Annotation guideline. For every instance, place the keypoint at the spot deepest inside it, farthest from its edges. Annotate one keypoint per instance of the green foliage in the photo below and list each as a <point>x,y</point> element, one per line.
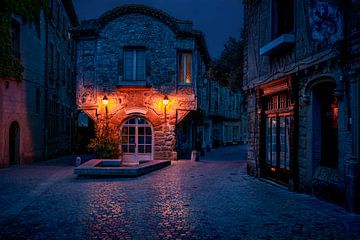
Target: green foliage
<point>106,141</point>
<point>228,69</point>
<point>29,10</point>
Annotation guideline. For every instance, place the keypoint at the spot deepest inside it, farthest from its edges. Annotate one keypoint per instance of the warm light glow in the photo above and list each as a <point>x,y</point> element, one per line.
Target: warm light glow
<point>273,169</point>
<point>165,101</point>
<point>105,100</point>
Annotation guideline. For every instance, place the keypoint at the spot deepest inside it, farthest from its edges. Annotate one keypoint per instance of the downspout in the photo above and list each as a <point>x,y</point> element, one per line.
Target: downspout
<point>46,88</point>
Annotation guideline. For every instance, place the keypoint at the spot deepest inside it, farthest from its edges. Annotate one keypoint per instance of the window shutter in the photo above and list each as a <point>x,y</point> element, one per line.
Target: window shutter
<point>121,68</point>
<point>147,64</point>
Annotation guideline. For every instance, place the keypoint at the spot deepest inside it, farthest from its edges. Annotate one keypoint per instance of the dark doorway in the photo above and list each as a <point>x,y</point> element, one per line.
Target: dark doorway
<point>14,143</point>
<point>326,125</point>
<point>85,132</point>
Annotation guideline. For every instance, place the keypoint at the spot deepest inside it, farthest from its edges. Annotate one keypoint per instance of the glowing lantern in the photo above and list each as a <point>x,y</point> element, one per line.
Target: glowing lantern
<point>105,100</point>
<point>166,101</point>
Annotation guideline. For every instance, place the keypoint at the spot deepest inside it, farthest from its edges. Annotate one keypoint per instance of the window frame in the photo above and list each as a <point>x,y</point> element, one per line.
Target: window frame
<point>135,64</point>
<point>275,18</point>
<point>180,58</point>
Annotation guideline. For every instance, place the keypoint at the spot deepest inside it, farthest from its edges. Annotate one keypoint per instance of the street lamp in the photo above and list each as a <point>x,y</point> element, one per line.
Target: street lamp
<point>165,102</point>
<point>105,101</point>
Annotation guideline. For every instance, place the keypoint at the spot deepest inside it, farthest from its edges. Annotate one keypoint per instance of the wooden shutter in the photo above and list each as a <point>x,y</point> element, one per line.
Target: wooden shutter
<point>121,68</point>
<point>147,64</point>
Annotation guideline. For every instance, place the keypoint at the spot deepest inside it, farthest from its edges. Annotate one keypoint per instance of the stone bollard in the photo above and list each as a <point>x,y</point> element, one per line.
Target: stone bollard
<point>195,156</point>
<point>78,161</point>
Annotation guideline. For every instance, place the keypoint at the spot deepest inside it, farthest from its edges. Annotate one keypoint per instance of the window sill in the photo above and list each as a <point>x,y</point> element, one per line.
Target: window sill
<point>277,44</point>
<point>132,83</point>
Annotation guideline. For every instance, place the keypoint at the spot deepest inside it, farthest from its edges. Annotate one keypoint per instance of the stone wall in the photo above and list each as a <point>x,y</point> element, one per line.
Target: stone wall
<point>100,59</point>
<point>18,99</point>
<point>316,57</point>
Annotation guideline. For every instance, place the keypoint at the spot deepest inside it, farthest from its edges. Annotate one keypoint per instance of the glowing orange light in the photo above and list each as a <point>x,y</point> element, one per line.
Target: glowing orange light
<point>166,101</point>
<point>273,169</point>
<point>105,100</point>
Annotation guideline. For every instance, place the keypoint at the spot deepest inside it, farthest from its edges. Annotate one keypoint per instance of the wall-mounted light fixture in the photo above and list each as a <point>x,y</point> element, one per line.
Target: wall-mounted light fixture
<point>105,100</point>
<point>166,101</point>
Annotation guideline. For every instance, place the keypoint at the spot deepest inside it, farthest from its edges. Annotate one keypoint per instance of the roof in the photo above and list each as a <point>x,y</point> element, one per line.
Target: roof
<point>182,28</point>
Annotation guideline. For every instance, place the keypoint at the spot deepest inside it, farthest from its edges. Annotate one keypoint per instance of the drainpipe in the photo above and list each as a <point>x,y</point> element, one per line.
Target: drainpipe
<point>46,87</point>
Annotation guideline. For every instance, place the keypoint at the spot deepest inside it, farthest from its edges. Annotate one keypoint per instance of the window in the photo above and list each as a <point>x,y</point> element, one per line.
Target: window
<point>15,38</point>
<point>216,105</point>
<point>58,15</point>
<point>52,6</point>
<point>278,102</point>
<point>278,142</point>
<point>58,65</point>
<point>64,26</point>
<point>51,59</point>
<point>134,64</point>
<point>282,17</point>
<point>53,120</point>
<point>37,103</point>
<point>185,68</point>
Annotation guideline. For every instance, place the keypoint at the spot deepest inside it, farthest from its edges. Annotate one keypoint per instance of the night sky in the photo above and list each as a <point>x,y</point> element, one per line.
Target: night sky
<point>218,19</point>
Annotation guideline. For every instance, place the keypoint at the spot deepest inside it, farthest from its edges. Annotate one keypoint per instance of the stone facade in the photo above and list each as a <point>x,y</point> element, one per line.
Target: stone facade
<point>224,116</point>
<point>301,77</point>
<point>24,107</point>
<point>60,84</point>
<point>102,45</point>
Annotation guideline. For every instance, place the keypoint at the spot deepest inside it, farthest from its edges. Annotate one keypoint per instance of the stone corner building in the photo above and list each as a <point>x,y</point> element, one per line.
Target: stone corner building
<point>36,114</point>
<point>136,56</point>
<point>302,78</point>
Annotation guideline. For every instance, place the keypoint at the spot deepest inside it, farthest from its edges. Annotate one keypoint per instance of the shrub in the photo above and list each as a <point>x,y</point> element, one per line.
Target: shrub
<point>106,141</point>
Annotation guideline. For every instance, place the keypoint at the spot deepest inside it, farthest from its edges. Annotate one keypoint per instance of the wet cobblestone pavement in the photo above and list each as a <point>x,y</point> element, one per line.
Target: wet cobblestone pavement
<point>188,200</point>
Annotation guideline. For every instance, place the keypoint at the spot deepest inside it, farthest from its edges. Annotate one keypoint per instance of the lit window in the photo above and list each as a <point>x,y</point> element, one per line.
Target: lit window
<point>134,64</point>
<point>184,68</point>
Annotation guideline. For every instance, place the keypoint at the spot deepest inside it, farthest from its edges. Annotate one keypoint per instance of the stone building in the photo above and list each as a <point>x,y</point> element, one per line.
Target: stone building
<point>223,121</point>
<point>26,119</point>
<point>301,74</point>
<point>137,57</point>
<point>60,85</point>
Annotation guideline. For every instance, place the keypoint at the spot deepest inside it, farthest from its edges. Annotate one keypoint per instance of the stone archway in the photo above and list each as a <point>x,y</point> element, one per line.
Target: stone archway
<point>325,125</point>
<point>14,143</point>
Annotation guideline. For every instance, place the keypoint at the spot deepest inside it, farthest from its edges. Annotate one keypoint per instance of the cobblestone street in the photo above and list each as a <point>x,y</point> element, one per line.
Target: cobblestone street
<point>210,199</point>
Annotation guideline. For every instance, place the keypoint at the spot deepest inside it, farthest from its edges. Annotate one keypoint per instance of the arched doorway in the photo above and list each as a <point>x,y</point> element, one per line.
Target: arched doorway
<point>325,125</point>
<point>136,140</point>
<point>14,143</point>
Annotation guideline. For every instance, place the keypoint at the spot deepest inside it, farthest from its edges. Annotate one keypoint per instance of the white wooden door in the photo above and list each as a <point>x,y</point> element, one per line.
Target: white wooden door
<point>136,140</point>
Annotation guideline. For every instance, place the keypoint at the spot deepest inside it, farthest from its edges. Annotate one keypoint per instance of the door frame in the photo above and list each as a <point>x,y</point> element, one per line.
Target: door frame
<point>136,135</point>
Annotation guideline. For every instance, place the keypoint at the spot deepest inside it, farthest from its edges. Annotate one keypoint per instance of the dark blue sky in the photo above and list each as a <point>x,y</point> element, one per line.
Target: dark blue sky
<point>218,19</point>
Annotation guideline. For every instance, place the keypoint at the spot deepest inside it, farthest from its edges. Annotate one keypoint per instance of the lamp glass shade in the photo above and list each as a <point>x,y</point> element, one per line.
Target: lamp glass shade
<point>165,101</point>
<point>105,100</point>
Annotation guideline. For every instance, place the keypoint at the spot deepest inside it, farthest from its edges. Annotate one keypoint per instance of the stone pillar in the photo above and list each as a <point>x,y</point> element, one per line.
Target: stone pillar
<point>352,170</point>
<point>352,184</point>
